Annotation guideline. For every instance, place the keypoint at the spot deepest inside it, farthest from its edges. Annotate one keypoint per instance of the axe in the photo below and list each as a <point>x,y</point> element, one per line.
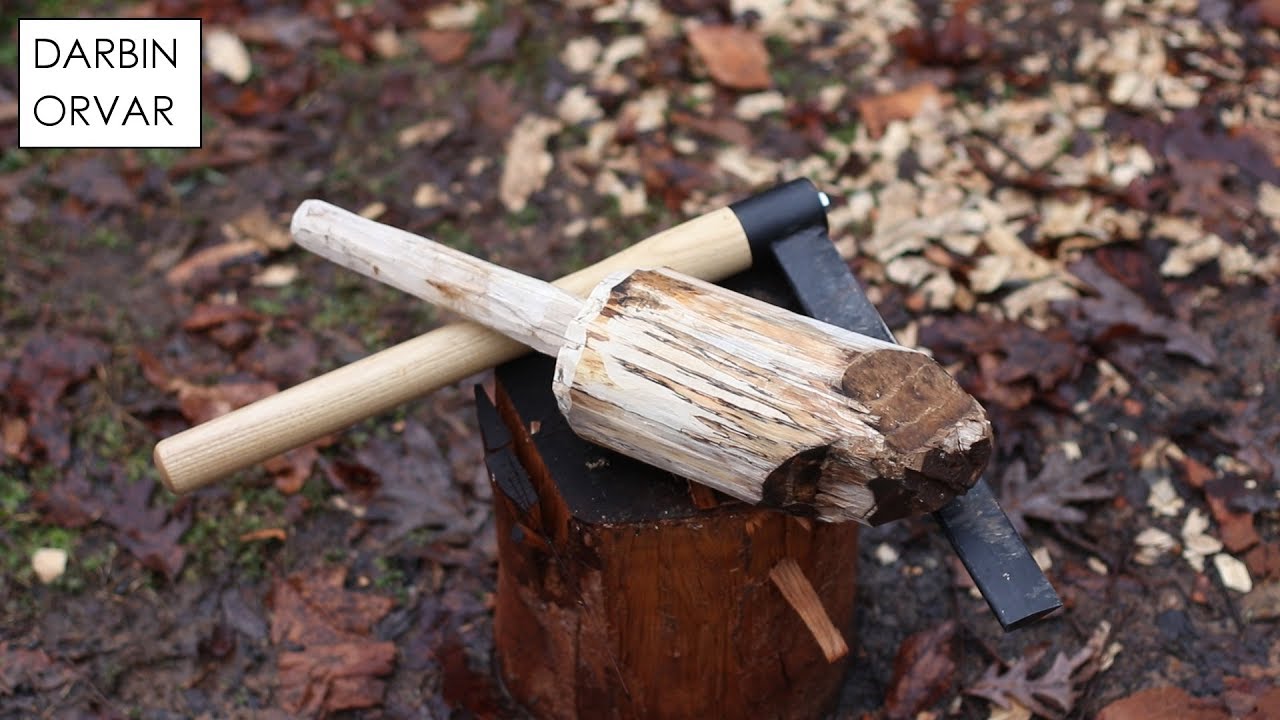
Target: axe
<point>712,246</point>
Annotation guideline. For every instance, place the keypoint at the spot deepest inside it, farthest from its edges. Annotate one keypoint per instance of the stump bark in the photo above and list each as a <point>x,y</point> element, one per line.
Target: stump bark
<point>627,592</point>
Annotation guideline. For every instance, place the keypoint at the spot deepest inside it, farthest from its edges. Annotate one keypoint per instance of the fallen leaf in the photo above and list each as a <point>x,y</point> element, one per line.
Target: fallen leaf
<point>1261,603</point>
<point>291,469</point>
<point>735,57</point>
<point>1051,495</point>
<point>1117,309</point>
<point>878,111</point>
<point>71,501</point>
<point>500,45</point>
<point>415,484</point>
<point>33,669</point>
<point>527,161</point>
<point>958,42</point>
<point>150,533</point>
<point>13,437</point>
<point>1160,703</point>
<point>206,316</point>
<point>48,366</point>
<point>293,31</point>
<point>201,403</point>
<point>1052,694</point>
<point>94,181</point>
<point>227,56</point>
<point>444,46</point>
<point>226,147</point>
<point>331,663</point>
<point>210,262</point>
<point>922,672</point>
<point>258,226</point>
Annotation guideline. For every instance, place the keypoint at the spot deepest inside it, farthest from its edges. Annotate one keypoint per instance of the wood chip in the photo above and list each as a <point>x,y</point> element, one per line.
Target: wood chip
<point>799,592</point>
<point>427,132</point>
<point>1196,543</point>
<point>527,161</point>
<point>428,195</point>
<point>227,55</point>
<point>580,54</point>
<point>757,105</point>
<point>1152,544</point>
<point>49,564</point>
<point>453,17</point>
<point>1164,500</point>
<point>275,276</point>
<point>386,43</point>
<point>1234,574</point>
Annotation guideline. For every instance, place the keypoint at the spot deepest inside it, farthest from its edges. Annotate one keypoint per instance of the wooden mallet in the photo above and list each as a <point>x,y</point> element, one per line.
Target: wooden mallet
<point>763,404</point>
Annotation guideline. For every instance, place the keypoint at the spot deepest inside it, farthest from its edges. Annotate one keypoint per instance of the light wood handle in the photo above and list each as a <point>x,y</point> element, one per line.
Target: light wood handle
<point>523,308</point>
<point>712,246</point>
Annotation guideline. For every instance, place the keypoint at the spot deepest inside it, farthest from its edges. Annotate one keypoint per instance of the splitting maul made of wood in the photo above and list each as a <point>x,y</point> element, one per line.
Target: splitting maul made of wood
<point>766,405</point>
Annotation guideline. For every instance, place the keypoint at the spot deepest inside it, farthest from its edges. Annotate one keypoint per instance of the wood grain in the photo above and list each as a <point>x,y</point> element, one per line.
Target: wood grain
<point>766,405</point>
<point>711,246</point>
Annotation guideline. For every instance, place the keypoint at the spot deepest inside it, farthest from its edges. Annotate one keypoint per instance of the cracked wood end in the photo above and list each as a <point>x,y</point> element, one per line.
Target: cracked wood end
<point>766,405</point>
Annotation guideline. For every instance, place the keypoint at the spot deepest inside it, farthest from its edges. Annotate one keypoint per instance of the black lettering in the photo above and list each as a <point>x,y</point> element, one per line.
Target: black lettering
<point>62,110</point>
<point>57,53</point>
<point>156,49</point>
<point>79,104</point>
<point>127,47</point>
<point>106,116</point>
<point>76,52</point>
<point>164,112</point>
<point>135,108</point>
<point>98,52</point>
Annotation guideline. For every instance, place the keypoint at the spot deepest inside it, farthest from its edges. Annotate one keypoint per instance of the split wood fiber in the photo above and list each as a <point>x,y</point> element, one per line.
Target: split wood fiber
<point>796,588</point>
<point>712,246</point>
<point>766,405</point>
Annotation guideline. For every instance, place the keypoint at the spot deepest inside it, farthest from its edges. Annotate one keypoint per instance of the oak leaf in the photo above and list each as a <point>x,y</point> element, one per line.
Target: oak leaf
<point>735,57</point>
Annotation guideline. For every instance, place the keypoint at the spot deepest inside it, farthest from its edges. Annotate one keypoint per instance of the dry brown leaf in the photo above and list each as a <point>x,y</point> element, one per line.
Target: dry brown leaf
<point>257,225</point>
<point>212,260</point>
<point>1163,702</point>
<point>334,677</point>
<point>201,403</point>
<point>528,161</point>
<point>445,46</point>
<point>735,57</point>
<point>880,110</point>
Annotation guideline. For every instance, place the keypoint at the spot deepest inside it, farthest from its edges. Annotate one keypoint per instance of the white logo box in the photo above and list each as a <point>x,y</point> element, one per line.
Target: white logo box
<point>109,83</point>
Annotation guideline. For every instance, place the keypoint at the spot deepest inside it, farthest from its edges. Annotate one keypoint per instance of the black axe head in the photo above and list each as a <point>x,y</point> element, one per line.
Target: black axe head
<point>788,223</point>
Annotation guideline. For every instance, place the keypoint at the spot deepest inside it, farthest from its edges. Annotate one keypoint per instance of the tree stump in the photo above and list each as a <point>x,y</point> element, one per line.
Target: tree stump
<point>627,592</point>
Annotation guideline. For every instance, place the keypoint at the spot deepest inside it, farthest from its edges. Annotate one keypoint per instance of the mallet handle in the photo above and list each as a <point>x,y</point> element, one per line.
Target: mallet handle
<point>712,247</point>
<point>528,310</point>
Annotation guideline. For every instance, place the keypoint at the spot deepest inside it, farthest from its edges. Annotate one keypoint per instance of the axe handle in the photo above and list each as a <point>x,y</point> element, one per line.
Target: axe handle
<point>712,247</point>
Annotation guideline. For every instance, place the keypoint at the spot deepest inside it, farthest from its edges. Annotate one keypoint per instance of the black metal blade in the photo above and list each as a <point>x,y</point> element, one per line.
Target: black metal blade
<point>987,543</point>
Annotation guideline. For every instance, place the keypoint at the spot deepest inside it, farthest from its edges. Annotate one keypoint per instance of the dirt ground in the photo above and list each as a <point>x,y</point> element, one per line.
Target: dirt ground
<point>1074,206</point>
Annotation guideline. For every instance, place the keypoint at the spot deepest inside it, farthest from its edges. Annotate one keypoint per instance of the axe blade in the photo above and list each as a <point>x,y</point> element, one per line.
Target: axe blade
<point>989,546</point>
